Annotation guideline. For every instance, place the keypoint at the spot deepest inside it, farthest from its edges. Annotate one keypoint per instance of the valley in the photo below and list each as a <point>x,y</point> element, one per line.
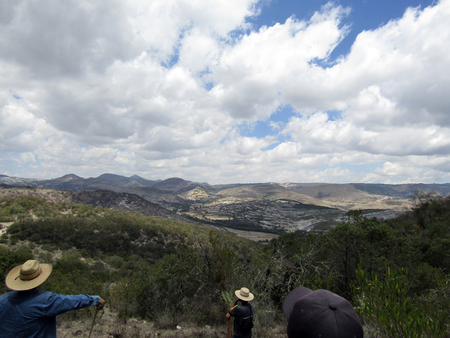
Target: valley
<point>269,208</point>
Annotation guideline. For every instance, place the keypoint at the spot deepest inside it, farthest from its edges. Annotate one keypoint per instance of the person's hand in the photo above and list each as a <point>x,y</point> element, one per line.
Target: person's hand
<point>228,315</point>
<point>101,304</point>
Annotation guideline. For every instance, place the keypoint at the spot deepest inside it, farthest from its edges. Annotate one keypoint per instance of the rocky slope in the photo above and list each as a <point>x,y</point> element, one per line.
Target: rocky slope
<point>265,206</point>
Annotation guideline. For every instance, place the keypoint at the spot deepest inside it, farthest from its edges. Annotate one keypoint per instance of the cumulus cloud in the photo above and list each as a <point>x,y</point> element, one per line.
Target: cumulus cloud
<point>165,88</point>
<point>406,61</point>
<point>273,64</point>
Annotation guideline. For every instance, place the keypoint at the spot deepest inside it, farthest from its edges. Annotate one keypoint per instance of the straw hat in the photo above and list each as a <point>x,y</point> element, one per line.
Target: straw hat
<point>244,294</point>
<point>27,276</point>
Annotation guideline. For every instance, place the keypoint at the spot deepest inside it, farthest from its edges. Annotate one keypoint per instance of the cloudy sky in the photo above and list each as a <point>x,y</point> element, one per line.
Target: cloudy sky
<point>226,91</point>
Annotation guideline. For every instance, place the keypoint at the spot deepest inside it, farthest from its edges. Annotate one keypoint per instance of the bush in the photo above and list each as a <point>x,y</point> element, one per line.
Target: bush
<point>386,306</point>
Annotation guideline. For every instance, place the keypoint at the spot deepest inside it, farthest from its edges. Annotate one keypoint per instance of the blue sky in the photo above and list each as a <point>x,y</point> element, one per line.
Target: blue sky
<point>364,14</point>
<point>226,91</point>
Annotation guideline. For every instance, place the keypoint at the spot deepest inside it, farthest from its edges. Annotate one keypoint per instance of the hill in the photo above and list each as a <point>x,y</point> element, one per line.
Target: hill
<point>268,191</point>
<point>245,206</point>
<point>95,198</point>
<point>174,275</point>
<point>344,196</point>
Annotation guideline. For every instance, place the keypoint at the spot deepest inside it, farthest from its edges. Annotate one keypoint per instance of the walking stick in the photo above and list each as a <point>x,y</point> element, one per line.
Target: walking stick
<point>92,326</point>
<point>229,319</point>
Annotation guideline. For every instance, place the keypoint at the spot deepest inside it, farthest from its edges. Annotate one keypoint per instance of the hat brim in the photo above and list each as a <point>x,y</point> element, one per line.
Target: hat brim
<point>247,299</point>
<point>13,281</point>
<point>292,298</point>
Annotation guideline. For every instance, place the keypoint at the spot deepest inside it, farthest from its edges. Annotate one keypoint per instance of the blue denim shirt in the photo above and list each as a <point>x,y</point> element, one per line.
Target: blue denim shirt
<point>32,313</point>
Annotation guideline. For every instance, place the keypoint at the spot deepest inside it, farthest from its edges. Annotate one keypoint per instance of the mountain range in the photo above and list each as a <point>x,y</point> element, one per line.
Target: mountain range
<point>293,206</point>
<point>177,189</point>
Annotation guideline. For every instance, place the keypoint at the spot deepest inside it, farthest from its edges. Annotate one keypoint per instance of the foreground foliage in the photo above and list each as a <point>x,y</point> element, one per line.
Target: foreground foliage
<point>389,307</point>
<point>395,272</point>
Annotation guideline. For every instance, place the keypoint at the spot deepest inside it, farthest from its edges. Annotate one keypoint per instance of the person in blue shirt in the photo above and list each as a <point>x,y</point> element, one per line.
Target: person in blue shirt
<point>27,312</point>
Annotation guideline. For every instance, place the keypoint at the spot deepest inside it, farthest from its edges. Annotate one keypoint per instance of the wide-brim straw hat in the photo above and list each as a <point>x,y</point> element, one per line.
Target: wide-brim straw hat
<point>27,276</point>
<point>244,294</point>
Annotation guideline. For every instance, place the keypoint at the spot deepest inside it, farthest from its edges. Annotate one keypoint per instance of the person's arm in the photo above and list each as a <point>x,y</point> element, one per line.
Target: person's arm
<point>53,304</point>
<point>231,308</point>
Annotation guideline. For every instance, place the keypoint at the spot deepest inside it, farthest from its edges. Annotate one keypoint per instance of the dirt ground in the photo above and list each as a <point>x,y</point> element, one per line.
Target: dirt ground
<point>108,325</point>
<point>253,235</point>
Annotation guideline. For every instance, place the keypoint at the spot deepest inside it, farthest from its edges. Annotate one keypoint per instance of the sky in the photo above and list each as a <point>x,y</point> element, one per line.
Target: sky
<point>226,91</point>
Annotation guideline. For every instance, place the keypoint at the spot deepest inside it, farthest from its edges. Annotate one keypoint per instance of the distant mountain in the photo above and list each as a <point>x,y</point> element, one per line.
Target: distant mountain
<point>179,185</point>
<point>403,190</point>
<point>109,182</point>
<point>134,181</point>
<point>329,191</point>
<point>172,184</point>
<point>271,191</point>
<point>143,181</point>
<point>73,183</point>
<point>354,190</point>
<point>16,181</point>
<point>265,206</point>
<point>263,190</point>
<point>176,190</point>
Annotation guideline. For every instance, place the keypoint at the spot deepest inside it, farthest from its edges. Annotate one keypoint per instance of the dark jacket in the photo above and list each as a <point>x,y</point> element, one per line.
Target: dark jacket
<point>240,313</point>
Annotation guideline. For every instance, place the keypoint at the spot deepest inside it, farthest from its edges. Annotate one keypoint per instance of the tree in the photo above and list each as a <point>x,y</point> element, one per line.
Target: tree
<point>343,245</point>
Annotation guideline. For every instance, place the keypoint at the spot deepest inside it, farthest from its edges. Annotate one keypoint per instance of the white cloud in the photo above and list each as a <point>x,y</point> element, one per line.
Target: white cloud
<point>407,62</point>
<point>125,86</point>
<point>20,130</point>
<point>277,60</point>
<point>53,38</point>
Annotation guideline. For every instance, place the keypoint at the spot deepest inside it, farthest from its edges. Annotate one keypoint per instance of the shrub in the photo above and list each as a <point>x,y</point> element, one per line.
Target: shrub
<point>387,306</point>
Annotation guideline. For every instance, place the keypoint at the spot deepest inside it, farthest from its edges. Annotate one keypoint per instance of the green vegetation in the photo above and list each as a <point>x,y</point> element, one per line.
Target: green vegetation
<point>395,272</point>
<point>390,307</point>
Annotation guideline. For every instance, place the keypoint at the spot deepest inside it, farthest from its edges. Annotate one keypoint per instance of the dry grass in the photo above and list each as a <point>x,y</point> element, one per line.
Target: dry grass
<point>108,325</point>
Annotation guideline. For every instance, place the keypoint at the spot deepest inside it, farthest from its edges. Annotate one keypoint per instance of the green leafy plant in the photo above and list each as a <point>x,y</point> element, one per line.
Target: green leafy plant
<point>386,306</point>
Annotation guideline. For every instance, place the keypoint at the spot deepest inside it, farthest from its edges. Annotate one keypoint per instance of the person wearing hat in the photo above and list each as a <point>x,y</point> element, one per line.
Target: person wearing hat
<point>243,313</point>
<point>27,312</point>
<point>320,313</point>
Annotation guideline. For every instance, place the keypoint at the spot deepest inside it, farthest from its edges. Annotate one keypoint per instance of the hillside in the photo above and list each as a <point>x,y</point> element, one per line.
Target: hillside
<point>174,279</point>
<point>174,190</point>
<point>269,191</point>
<point>243,206</point>
<point>95,198</point>
<point>350,197</point>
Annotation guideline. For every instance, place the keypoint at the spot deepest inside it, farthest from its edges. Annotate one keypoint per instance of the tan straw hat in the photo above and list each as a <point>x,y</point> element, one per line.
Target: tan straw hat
<point>244,294</point>
<point>27,276</point>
